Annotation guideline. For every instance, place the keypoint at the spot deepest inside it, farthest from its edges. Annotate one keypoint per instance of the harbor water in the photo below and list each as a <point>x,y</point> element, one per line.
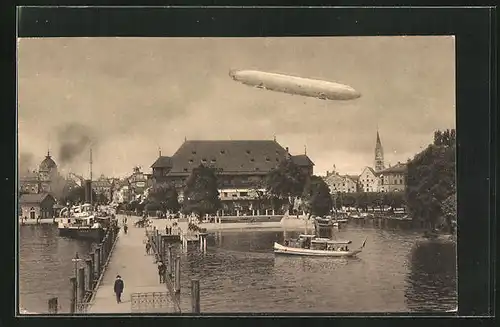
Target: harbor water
<point>398,271</point>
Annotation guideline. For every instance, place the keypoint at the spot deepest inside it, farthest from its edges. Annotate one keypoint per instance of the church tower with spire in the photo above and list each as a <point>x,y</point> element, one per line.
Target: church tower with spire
<point>379,155</point>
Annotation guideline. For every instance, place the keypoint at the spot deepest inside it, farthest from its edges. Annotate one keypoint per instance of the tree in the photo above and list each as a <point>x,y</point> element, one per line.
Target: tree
<point>317,197</point>
<point>165,197</point>
<point>449,210</point>
<point>286,181</point>
<point>431,178</point>
<point>201,196</point>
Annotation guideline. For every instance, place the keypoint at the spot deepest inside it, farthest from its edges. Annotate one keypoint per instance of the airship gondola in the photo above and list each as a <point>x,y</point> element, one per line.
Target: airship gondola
<point>320,89</point>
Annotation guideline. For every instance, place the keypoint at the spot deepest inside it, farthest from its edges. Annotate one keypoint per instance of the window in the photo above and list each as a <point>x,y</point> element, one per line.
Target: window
<point>213,160</point>
<point>248,151</point>
<point>185,169</point>
<point>225,194</point>
<point>267,159</point>
<point>277,160</point>
<point>257,168</point>
<point>190,160</point>
<point>193,152</point>
<point>243,193</point>
<point>400,181</point>
<point>203,160</point>
<point>222,151</point>
<point>252,160</point>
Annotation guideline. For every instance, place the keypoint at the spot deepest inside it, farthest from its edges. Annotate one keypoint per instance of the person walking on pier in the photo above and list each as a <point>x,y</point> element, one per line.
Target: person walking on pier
<point>161,271</point>
<point>148,247</point>
<point>125,228</point>
<point>118,288</point>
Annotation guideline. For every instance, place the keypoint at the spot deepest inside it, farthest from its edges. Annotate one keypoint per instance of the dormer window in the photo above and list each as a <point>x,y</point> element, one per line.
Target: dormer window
<point>204,160</point>
<point>267,159</point>
<point>185,169</point>
<point>190,160</point>
<point>257,168</point>
<point>212,161</point>
<point>252,160</point>
<point>193,152</point>
<point>222,151</point>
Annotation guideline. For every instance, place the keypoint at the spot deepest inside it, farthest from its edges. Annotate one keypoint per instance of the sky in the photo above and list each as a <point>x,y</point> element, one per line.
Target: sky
<point>129,97</point>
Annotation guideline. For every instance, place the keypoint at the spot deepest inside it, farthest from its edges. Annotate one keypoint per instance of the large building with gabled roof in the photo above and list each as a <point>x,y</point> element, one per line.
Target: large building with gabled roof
<point>242,165</point>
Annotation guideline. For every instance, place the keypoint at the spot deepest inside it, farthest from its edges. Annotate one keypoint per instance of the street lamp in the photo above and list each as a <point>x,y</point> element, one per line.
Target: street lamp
<point>76,259</point>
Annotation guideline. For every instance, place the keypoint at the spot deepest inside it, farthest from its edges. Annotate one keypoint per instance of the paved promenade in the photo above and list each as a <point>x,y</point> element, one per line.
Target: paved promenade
<point>138,271</point>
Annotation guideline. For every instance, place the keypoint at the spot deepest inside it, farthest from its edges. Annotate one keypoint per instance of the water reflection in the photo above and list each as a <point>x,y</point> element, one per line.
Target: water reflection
<point>433,276</point>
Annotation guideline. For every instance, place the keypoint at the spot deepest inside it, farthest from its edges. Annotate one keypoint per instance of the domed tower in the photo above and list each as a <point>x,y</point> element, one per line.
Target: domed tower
<point>47,168</point>
<point>379,155</point>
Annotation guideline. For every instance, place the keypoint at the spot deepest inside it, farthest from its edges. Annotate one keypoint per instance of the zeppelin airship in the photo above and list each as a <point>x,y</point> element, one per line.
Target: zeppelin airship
<point>295,85</point>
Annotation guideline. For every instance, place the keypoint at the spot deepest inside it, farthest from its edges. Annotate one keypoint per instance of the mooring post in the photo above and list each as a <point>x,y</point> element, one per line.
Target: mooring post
<point>98,262</point>
<point>171,261</point>
<point>195,295</point>
<point>72,303</point>
<point>81,284</point>
<point>90,274</point>
<point>53,305</point>
<point>178,274</point>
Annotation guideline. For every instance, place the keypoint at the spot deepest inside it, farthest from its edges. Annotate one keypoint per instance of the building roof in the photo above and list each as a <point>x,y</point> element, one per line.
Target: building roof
<point>29,176</point>
<point>234,157</point>
<point>47,163</point>
<point>398,168</point>
<point>162,162</point>
<point>354,178</point>
<point>302,160</point>
<point>372,171</point>
<point>34,198</point>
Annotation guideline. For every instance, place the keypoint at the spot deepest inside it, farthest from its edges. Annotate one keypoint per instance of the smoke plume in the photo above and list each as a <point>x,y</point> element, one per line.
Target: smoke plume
<point>26,163</point>
<point>74,139</point>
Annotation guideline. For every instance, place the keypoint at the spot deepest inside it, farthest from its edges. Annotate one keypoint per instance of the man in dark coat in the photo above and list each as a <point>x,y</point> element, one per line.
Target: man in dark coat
<point>161,271</point>
<point>118,288</point>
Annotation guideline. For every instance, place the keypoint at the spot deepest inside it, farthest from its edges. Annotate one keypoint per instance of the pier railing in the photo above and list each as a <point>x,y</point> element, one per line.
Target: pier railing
<point>164,252</point>
<point>84,285</point>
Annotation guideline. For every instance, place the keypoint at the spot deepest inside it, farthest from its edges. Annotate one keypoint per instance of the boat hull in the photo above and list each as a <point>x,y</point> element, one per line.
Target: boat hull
<point>82,233</point>
<point>285,250</point>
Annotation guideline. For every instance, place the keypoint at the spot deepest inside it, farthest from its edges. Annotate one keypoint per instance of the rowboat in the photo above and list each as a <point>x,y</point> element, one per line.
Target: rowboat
<point>319,247</point>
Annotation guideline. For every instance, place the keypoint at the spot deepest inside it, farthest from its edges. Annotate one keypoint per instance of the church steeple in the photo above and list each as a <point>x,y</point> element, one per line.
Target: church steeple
<point>379,154</point>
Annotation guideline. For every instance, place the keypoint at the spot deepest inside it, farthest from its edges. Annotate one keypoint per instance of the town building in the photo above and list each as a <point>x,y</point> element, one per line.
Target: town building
<point>138,181</point>
<point>369,180</point>
<point>103,186</point>
<point>122,192</point>
<point>393,179</point>
<point>40,181</point>
<point>33,206</point>
<point>340,183</point>
<point>241,165</point>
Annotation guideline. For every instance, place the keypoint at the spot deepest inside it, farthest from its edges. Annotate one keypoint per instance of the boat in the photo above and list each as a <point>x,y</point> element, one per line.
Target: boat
<point>81,222</point>
<point>310,245</point>
<point>323,222</point>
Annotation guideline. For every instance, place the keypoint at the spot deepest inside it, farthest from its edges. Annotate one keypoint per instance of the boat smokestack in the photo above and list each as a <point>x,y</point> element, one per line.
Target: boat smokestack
<point>88,191</point>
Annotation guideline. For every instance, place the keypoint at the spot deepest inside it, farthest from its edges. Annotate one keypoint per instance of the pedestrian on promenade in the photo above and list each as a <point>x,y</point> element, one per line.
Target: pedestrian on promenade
<point>148,247</point>
<point>125,228</point>
<point>161,271</point>
<point>118,288</point>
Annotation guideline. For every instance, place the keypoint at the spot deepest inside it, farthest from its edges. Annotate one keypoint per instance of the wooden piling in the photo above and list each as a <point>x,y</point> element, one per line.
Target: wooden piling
<point>92,269</point>
<point>171,261</point>
<point>98,261</point>
<point>90,275</point>
<point>72,303</point>
<point>195,296</point>
<point>53,306</point>
<point>178,274</point>
<point>81,284</point>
